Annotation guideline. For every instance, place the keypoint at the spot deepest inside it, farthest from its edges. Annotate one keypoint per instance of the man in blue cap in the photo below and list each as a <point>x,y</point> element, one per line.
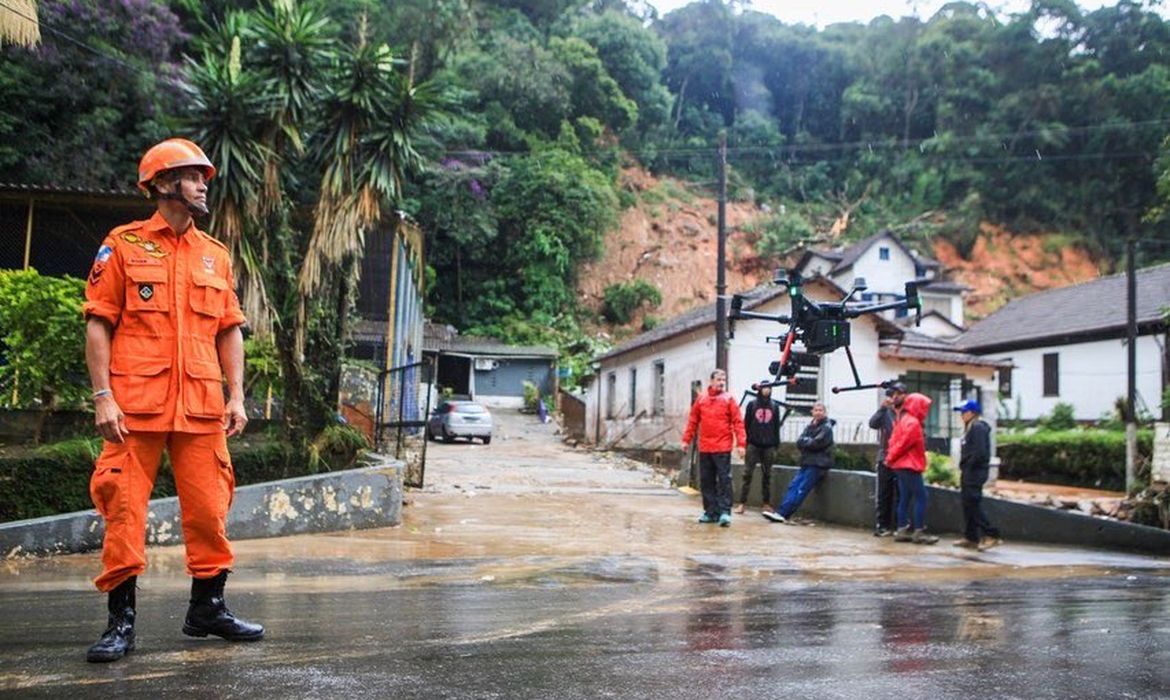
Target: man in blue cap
<point>974,464</point>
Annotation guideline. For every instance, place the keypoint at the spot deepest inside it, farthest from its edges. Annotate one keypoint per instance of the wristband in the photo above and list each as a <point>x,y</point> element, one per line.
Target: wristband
<point>103,392</point>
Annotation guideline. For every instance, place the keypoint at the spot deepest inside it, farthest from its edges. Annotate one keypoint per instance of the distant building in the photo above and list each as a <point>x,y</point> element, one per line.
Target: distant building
<point>487,370</point>
<point>887,264</point>
<point>1068,345</point>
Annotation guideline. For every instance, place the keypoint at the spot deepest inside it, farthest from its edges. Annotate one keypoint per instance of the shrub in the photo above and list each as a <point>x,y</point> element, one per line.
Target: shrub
<point>1061,418</point>
<point>622,299</point>
<point>1089,458</point>
<point>42,341</point>
<point>939,470</point>
<point>55,478</point>
<point>531,395</point>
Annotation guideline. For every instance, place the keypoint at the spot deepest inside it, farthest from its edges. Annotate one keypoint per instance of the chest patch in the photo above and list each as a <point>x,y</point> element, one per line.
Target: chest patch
<point>146,292</point>
<point>208,264</point>
<point>151,248</point>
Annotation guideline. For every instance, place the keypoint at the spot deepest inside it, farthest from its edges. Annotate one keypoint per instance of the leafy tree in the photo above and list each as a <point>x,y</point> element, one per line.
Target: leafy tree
<point>279,103</point>
<point>42,341</point>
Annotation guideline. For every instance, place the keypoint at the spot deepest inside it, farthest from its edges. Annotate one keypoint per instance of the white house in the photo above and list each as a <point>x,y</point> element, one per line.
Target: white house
<point>887,264</point>
<point>646,385</point>
<point>1068,345</point>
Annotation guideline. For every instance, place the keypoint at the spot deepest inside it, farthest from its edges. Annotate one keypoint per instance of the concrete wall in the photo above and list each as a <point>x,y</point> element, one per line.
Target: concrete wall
<point>347,500</point>
<point>1092,377</point>
<point>847,498</point>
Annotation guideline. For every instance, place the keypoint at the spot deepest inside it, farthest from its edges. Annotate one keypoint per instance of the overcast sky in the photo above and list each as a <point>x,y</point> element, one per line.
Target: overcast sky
<point>822,12</point>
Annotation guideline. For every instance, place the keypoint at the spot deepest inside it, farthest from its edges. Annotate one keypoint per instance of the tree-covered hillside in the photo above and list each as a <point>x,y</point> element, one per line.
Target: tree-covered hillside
<point>1052,119</point>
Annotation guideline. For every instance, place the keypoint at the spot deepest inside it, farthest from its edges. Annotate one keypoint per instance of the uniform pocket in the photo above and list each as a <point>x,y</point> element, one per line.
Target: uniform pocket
<point>109,487</point>
<point>147,288</point>
<point>227,472</point>
<point>203,390</point>
<point>140,384</point>
<point>208,295</point>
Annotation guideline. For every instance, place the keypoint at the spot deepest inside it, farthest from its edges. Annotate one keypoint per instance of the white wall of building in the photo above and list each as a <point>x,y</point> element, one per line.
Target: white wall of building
<point>1091,377</point>
<point>691,357</point>
<point>882,276</point>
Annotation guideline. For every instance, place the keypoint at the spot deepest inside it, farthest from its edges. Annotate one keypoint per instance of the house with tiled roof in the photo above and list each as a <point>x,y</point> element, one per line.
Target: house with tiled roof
<point>885,263</point>
<point>1068,345</point>
<point>646,384</point>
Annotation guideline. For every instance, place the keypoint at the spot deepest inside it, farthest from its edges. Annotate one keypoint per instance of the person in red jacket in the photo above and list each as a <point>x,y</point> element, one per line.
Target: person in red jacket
<point>906,455</point>
<point>715,414</point>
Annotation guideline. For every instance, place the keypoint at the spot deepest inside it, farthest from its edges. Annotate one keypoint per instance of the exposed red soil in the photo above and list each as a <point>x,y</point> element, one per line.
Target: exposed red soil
<point>1004,265</point>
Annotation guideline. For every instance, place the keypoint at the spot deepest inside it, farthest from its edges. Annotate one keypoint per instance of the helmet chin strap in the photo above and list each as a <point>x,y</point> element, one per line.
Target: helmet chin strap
<point>194,208</point>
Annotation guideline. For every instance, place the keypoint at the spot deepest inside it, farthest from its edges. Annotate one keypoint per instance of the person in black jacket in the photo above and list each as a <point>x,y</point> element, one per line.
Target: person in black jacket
<point>761,418</point>
<point>886,483</point>
<point>816,458</point>
<point>974,464</point>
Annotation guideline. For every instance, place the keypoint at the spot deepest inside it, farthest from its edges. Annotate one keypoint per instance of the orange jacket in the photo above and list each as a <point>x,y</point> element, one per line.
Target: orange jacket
<point>167,297</point>
<point>716,416</point>
<point>907,447</point>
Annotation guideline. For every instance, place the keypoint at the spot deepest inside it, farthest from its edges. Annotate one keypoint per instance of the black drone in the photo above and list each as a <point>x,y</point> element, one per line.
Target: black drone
<point>821,326</point>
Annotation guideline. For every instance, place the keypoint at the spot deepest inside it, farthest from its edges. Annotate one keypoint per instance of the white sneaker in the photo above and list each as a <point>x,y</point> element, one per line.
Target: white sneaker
<point>774,516</point>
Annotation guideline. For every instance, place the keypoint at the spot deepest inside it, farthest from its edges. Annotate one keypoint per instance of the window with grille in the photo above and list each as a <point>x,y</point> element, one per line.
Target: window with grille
<point>659,406</point>
<point>633,391</point>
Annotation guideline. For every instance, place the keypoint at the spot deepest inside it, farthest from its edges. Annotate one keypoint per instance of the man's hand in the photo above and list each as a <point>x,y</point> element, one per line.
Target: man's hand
<point>741,451</point>
<point>888,402</point>
<point>109,419</point>
<point>234,416</point>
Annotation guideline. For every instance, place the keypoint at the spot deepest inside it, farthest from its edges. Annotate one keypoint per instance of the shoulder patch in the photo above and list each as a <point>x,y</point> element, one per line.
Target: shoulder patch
<point>211,239</point>
<point>132,226</point>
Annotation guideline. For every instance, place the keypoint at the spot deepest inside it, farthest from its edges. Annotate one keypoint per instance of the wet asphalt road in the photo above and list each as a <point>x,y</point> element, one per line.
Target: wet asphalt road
<point>528,571</point>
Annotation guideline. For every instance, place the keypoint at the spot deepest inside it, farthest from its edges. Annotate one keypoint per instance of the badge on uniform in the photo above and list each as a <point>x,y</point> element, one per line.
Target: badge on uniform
<point>146,292</point>
<point>208,263</point>
<point>103,254</point>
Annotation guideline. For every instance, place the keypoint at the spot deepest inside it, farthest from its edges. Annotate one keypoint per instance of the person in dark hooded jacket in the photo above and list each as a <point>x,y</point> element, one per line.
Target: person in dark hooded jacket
<point>906,455</point>
<point>816,458</point>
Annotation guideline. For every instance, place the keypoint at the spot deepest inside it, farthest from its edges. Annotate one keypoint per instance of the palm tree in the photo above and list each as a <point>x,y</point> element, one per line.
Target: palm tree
<point>313,138</point>
<point>19,24</point>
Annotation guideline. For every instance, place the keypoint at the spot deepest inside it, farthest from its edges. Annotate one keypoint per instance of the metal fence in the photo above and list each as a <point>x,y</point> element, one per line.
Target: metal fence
<point>402,417</point>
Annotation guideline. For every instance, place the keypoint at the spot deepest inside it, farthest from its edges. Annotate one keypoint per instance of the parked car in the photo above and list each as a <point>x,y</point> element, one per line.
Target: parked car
<point>463,419</point>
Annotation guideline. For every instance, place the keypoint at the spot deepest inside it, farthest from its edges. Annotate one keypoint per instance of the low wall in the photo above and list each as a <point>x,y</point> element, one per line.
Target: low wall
<point>847,498</point>
<point>347,500</point>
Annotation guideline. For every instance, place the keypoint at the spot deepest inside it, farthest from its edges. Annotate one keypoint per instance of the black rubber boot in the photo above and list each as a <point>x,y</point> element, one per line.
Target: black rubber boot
<point>208,614</point>
<point>118,639</point>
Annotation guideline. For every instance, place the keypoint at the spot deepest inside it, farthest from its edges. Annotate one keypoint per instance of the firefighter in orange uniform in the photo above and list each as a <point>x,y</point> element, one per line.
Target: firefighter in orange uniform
<point>162,329</point>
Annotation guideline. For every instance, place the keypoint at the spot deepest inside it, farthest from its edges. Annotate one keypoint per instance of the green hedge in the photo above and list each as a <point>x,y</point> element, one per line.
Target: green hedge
<point>1089,458</point>
<point>55,478</point>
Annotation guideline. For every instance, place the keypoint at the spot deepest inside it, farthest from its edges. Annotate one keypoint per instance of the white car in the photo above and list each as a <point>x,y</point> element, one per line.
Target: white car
<point>460,419</point>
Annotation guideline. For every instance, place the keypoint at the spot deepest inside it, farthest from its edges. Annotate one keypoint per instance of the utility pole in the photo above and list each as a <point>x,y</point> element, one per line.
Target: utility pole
<point>721,272</point>
<point>1131,347</point>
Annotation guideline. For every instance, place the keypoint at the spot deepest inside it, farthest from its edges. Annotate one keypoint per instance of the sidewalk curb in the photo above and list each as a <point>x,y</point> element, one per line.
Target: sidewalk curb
<point>347,500</point>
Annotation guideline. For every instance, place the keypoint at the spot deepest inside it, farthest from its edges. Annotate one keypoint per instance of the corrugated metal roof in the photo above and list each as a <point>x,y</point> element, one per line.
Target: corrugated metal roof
<point>66,190</point>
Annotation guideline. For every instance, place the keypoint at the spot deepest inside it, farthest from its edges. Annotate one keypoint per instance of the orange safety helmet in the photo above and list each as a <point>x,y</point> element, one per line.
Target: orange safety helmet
<point>168,155</point>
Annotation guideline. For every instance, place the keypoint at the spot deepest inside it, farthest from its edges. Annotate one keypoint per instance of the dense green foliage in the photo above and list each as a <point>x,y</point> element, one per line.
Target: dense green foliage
<point>620,301</point>
<point>82,118</point>
<point>42,341</point>
<point>55,478</point>
<point>1090,458</point>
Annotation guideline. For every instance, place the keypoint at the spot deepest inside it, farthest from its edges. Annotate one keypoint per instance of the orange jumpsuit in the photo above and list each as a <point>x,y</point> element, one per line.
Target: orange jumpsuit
<point>167,296</point>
